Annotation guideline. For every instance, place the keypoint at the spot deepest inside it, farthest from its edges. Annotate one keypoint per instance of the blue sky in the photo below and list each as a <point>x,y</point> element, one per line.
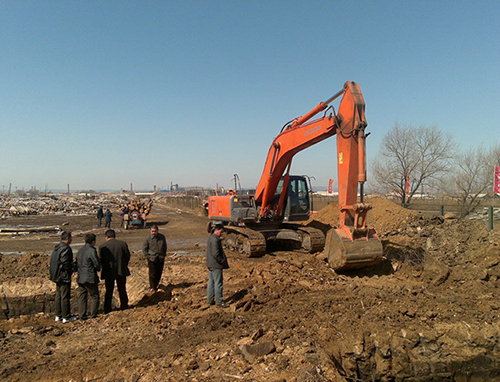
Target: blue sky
<point>103,94</point>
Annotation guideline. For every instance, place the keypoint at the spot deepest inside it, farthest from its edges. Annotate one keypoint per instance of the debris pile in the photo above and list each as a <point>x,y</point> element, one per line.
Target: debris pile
<point>58,204</point>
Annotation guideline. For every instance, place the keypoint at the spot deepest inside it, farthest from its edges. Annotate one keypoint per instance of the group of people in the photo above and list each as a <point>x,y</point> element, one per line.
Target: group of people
<point>106,215</point>
<point>112,261</point>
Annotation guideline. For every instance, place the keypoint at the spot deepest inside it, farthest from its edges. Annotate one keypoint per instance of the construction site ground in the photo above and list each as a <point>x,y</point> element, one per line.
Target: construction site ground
<point>429,312</point>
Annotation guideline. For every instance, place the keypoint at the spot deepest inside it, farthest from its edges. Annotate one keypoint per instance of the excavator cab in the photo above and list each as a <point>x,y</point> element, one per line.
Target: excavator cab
<point>298,204</point>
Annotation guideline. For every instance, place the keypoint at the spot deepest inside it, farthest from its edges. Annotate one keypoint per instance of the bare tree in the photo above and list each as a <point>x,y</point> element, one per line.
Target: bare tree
<point>411,157</point>
<point>494,155</point>
<point>474,177</point>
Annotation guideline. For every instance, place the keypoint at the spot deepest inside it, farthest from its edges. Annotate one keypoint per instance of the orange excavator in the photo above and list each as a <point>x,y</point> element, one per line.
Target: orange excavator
<point>271,216</point>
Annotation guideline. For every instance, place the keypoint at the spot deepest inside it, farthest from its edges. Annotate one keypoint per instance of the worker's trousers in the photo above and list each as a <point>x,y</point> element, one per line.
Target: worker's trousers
<point>214,287</point>
<point>155,272</point>
<point>121,284</point>
<point>83,291</point>
<point>63,295</point>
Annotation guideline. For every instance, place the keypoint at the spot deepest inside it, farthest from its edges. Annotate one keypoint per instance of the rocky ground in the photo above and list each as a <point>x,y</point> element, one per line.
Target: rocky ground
<point>429,312</point>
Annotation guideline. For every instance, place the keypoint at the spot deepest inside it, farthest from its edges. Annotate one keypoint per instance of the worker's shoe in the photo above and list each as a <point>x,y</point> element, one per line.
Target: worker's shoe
<point>222,304</point>
<point>57,319</point>
<point>67,320</point>
<point>211,302</point>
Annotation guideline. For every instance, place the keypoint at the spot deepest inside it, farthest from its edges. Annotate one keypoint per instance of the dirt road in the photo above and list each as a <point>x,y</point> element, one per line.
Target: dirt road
<point>430,312</point>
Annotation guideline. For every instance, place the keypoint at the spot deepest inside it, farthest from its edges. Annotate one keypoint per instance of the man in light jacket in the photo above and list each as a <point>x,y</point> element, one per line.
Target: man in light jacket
<point>88,282</point>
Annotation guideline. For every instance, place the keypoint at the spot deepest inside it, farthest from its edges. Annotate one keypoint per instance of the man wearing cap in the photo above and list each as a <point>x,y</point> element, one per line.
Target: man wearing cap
<point>216,263</point>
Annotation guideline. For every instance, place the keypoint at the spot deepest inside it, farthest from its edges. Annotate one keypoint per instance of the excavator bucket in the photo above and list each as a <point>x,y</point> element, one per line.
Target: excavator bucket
<point>345,254</point>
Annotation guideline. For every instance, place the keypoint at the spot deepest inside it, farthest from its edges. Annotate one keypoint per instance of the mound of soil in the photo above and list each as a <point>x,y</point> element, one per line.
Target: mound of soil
<point>385,216</point>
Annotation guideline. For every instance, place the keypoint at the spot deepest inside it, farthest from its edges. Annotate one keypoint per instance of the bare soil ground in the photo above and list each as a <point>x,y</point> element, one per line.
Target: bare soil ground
<point>429,312</point>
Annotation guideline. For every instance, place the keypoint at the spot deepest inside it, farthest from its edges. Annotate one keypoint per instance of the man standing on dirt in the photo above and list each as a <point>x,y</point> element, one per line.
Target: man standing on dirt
<point>61,269</point>
<point>100,215</point>
<point>88,282</point>
<point>155,250</point>
<point>107,218</point>
<point>216,263</point>
<point>115,257</point>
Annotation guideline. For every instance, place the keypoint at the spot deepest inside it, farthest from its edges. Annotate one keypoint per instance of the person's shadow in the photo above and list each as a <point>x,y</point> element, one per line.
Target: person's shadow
<point>158,223</point>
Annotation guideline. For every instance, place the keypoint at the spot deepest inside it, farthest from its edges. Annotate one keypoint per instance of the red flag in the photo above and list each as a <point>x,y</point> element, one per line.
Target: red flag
<point>496,189</point>
<point>408,183</point>
<point>330,183</point>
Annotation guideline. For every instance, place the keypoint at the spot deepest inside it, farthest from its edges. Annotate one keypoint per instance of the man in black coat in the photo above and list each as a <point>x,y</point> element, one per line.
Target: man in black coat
<point>88,282</point>
<point>216,263</point>
<point>100,215</point>
<point>61,269</point>
<point>115,257</point>
<point>154,249</point>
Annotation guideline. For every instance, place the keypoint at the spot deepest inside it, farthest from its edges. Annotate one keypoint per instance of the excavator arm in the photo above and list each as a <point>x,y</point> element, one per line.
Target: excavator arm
<point>349,125</point>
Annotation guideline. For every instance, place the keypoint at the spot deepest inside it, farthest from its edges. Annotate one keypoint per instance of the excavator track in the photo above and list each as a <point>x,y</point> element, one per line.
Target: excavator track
<point>244,240</point>
<point>314,239</point>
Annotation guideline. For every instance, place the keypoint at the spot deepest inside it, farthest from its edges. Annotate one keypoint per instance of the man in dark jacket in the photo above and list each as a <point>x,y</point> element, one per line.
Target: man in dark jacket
<point>154,249</point>
<point>115,257</point>
<point>100,215</point>
<point>107,218</point>
<point>216,263</point>
<point>61,269</point>
<point>88,281</point>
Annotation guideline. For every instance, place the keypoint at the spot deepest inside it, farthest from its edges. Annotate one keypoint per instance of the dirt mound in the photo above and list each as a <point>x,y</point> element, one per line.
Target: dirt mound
<point>25,265</point>
<point>385,216</point>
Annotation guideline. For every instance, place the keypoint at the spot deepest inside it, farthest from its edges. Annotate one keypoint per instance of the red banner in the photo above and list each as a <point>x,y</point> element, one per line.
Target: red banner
<point>497,180</point>
<point>330,184</point>
<point>407,183</point>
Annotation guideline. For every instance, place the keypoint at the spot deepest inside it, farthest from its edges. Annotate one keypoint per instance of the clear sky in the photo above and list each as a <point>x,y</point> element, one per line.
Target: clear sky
<point>101,94</point>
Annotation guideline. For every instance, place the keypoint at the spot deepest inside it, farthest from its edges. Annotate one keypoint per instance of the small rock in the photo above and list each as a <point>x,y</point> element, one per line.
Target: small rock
<point>192,365</point>
<point>449,216</point>
<point>305,283</point>
<point>258,333</point>
<point>252,352</point>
